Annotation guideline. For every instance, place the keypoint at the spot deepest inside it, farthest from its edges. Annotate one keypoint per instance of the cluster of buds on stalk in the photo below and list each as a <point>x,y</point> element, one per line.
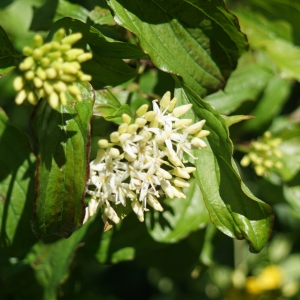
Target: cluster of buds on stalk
<point>144,160</point>
<point>50,69</point>
<point>264,155</point>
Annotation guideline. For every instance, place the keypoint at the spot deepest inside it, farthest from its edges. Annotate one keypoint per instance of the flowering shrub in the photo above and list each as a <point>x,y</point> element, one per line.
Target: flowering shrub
<point>131,130</point>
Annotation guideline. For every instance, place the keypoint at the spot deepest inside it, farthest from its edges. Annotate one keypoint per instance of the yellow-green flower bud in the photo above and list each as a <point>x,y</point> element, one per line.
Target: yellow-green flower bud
<point>72,39</point>
<point>85,77</point>
<point>181,110</point>
<point>182,123</point>
<point>59,35</point>
<point>74,90</point>
<point>45,62</point>
<point>202,133</point>
<point>172,104</point>
<point>32,98</point>
<point>163,173</point>
<point>68,78</point>
<point>19,83</point>
<point>54,100</point>
<point>63,98</point>
<point>126,118</point>
<point>268,163</point>
<point>54,45</point>
<point>38,83</point>
<point>178,193</point>
<point>152,201</point>
<point>198,143</point>
<point>72,54</point>
<point>115,137</point>
<point>64,48</point>
<point>103,143</point>
<point>54,55</point>
<point>48,88</point>
<point>60,86</point>
<point>123,128</point>
<point>27,64</point>
<point>51,73</point>
<point>37,54</point>
<point>181,172</point>
<point>245,161</point>
<point>46,48</point>
<point>114,152</point>
<point>196,127</point>
<point>181,183</point>
<point>38,40</point>
<point>140,122</point>
<point>142,110</point>
<point>260,170</point>
<point>29,75</point>
<point>41,73</point>
<point>165,100</point>
<point>21,97</point>
<point>154,123</point>
<point>132,128</point>
<point>69,68</point>
<point>27,50</point>
<point>150,116</point>
<point>84,57</point>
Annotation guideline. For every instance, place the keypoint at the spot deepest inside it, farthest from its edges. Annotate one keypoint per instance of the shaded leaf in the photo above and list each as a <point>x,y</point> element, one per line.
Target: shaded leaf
<point>63,135</point>
<point>101,16</point>
<point>8,56</point>
<point>198,40</point>
<point>232,207</point>
<point>230,120</point>
<point>180,217</point>
<point>16,189</point>
<point>108,107</point>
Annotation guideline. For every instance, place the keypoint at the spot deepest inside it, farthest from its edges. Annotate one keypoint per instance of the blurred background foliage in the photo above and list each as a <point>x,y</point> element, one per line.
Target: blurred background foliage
<point>130,263</point>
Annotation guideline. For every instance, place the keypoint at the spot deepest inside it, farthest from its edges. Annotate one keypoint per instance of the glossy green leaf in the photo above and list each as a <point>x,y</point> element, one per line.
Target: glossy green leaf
<point>63,136</point>
<point>230,120</point>
<point>8,55</point>
<point>100,45</point>
<point>51,262</point>
<point>246,83</point>
<point>264,34</point>
<point>108,107</point>
<point>54,10</point>
<point>180,217</point>
<point>198,40</point>
<point>16,189</point>
<point>101,16</point>
<point>232,207</point>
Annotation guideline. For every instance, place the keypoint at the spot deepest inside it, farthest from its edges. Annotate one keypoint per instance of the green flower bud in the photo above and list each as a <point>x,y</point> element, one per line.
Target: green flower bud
<point>60,86</point>
<point>19,83</point>
<point>72,39</point>
<point>64,48</point>
<point>21,97</point>
<point>38,83</point>
<point>59,35</point>
<point>27,50</point>
<point>41,73</point>
<point>32,98</point>
<point>54,55</point>
<point>84,57</point>
<point>51,73</point>
<point>48,88</point>
<point>27,64</point>
<point>38,40</point>
<point>45,62</point>
<point>78,98</point>
<point>53,100</point>
<point>85,77</point>
<point>29,75</point>
<point>37,54</point>
<point>46,48</point>
<point>63,98</point>
<point>68,78</point>
<point>69,68</point>
<point>54,45</point>
<point>74,90</point>
<point>72,54</point>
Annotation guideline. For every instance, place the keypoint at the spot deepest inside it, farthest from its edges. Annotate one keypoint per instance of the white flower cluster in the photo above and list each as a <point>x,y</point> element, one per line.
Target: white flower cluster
<point>50,69</point>
<point>144,160</point>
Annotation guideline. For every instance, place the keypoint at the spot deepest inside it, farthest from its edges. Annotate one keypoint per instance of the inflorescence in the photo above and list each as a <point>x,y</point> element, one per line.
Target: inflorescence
<point>144,160</point>
<point>50,69</point>
<point>264,155</point>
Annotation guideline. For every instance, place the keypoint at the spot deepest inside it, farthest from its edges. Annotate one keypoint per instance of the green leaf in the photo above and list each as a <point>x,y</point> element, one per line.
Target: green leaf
<point>54,10</point>
<point>52,261</point>
<point>63,135</point>
<point>232,207</point>
<point>8,55</point>
<point>16,189</point>
<point>180,217</point>
<point>264,34</point>
<point>246,83</point>
<point>101,16</point>
<point>108,107</point>
<point>230,120</point>
<point>198,40</point>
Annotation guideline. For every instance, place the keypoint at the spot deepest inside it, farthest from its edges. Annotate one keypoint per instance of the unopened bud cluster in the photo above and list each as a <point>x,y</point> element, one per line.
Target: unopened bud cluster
<point>144,160</point>
<point>50,69</point>
<point>264,155</point>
